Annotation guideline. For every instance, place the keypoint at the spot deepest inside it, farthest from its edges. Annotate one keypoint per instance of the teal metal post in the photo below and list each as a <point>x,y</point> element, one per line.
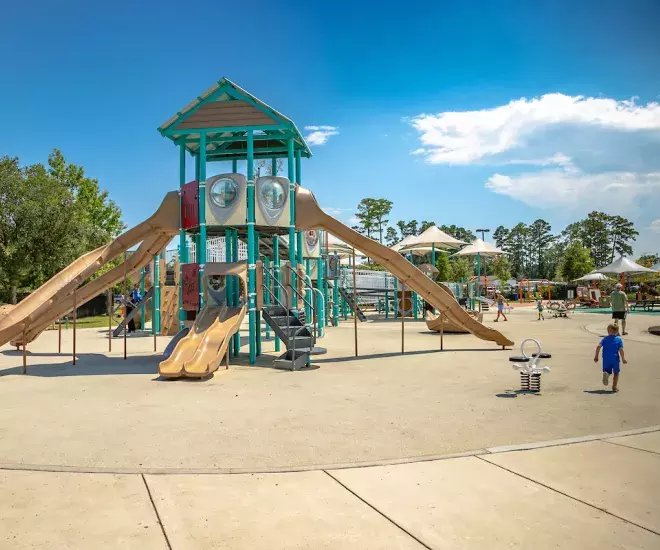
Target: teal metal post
<point>268,283</point>
<point>236,291</point>
<point>228,291</point>
<point>257,313</point>
<point>413,294</point>
<point>479,279</point>
<point>153,301</point>
<point>156,318</point>
<point>183,246</point>
<point>433,261</point>
<point>276,272</point>
<point>335,302</point>
<point>201,247</point>
<point>292,223</point>
<point>251,246</point>
<point>273,166</point>
<point>387,300</point>
<point>396,298</point>
<point>319,285</point>
<point>308,296</point>
<point>143,309</point>
<point>234,166</point>
<point>299,234</point>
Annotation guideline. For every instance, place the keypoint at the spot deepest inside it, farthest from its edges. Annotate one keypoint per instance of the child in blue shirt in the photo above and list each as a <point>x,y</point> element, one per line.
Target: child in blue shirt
<point>539,307</point>
<point>612,346</point>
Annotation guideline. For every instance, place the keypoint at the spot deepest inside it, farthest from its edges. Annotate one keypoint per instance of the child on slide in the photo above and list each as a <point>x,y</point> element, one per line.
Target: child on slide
<point>500,306</point>
<point>539,307</point>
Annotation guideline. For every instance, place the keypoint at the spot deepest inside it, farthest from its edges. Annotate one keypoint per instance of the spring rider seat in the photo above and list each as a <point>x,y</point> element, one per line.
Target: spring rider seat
<point>530,367</point>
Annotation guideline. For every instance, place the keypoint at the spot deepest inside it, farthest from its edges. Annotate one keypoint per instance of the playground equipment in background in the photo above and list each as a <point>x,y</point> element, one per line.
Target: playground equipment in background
<point>561,309</point>
<point>352,303</point>
<point>530,367</point>
<point>200,352</point>
<point>226,123</point>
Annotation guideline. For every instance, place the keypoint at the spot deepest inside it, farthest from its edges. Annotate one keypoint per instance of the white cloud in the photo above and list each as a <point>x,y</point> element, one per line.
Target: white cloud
<point>614,192</point>
<point>489,135</point>
<point>318,135</point>
<point>655,226</point>
<point>334,211</point>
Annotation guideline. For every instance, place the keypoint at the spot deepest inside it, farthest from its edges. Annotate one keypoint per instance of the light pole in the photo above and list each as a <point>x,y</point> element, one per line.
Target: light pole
<point>483,238</point>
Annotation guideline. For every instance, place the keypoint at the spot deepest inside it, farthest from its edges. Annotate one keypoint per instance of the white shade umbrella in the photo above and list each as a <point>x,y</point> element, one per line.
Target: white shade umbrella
<point>592,277</point>
<point>431,238</point>
<point>481,248</point>
<point>656,267</point>
<point>624,265</point>
<point>406,240</point>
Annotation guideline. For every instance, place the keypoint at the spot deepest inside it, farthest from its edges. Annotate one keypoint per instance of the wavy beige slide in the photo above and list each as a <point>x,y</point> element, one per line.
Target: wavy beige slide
<point>310,216</point>
<point>201,351</point>
<point>434,322</point>
<point>55,297</point>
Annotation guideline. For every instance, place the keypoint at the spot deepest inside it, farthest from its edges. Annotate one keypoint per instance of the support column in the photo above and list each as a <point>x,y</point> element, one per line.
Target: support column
<point>236,291</point>
<point>257,313</point>
<point>183,247</point>
<point>234,166</point>
<point>335,302</point>
<point>319,285</point>
<point>201,245</point>
<point>292,223</point>
<point>479,279</point>
<point>299,234</point>
<point>156,319</point>
<point>252,309</point>
<point>229,287</point>
<point>269,284</point>
<point>309,295</point>
<point>276,272</point>
<point>143,309</point>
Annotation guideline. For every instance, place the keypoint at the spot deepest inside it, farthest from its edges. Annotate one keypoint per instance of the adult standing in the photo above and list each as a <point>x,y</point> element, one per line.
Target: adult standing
<point>619,303</point>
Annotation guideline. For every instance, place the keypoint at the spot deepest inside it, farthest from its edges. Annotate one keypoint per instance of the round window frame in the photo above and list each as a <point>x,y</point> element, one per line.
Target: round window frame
<point>220,181</point>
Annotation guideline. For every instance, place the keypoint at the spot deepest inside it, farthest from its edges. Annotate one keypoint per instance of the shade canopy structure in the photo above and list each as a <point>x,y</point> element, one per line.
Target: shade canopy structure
<point>624,265</point>
<point>480,248</point>
<point>431,238</point>
<point>406,240</point>
<point>656,267</point>
<point>428,269</point>
<point>592,277</point>
<point>337,246</point>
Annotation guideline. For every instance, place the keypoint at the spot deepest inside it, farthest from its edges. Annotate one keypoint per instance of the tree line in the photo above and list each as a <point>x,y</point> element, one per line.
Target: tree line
<point>49,216</point>
<point>534,251</point>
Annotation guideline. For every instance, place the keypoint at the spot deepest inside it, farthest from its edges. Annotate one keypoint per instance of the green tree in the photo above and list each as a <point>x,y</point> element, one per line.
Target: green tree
<point>518,249</point>
<point>622,234</point>
<point>461,268</point>
<point>500,268</point>
<point>391,236</point>
<point>425,225</point>
<point>575,262</point>
<point>372,215</point>
<point>459,233</point>
<point>648,260</point>
<point>407,228</point>
<point>540,240</point>
<point>443,266</point>
<point>501,237</point>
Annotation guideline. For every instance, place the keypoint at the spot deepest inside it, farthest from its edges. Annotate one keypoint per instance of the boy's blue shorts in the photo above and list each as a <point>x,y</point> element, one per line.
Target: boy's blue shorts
<point>612,368</point>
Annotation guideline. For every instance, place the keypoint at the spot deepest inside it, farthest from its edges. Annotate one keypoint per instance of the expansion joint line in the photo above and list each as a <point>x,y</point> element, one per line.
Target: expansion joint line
<point>378,511</point>
<point>153,505</point>
<point>604,510</point>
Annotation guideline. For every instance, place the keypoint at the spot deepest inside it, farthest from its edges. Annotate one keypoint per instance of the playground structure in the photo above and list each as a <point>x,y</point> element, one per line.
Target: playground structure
<point>265,214</point>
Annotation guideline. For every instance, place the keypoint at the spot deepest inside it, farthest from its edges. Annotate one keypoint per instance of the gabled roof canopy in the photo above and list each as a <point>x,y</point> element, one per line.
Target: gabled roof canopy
<point>225,113</point>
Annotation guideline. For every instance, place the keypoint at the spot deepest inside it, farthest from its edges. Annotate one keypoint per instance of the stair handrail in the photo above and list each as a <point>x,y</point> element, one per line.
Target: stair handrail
<point>301,296</point>
<point>322,302</point>
<point>271,275</point>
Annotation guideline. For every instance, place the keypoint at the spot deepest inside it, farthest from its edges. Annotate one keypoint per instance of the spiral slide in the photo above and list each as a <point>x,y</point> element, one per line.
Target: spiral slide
<point>56,297</point>
<point>310,216</point>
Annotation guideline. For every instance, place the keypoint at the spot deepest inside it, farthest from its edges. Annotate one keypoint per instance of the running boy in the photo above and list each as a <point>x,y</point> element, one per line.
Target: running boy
<point>612,346</point>
<point>539,307</point>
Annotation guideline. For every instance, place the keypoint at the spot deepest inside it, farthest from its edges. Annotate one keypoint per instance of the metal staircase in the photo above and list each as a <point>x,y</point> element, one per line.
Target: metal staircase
<point>289,325</point>
<point>352,304</point>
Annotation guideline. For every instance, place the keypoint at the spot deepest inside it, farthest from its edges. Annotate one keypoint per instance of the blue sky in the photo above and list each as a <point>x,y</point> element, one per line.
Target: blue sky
<point>96,82</point>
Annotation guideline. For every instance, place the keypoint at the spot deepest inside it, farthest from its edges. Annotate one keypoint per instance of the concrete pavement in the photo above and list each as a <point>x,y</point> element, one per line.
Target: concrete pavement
<point>591,495</point>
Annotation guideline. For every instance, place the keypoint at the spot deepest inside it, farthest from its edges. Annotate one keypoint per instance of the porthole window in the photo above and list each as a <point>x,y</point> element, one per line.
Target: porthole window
<point>273,194</point>
<point>312,238</point>
<point>224,192</point>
